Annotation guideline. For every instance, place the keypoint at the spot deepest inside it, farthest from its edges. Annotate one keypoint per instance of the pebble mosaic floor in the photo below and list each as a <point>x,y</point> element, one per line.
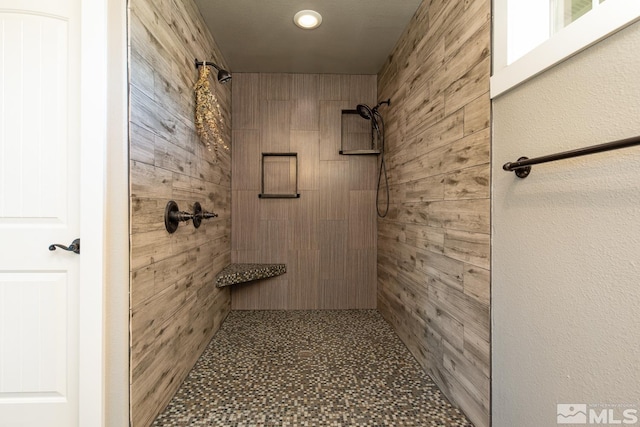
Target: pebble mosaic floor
<point>308,368</point>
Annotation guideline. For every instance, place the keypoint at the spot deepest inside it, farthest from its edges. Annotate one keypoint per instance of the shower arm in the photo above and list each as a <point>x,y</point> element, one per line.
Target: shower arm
<point>205,63</point>
<point>387,102</point>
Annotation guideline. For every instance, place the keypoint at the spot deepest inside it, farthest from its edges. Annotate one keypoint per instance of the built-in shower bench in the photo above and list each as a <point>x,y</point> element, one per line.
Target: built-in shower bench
<point>240,273</point>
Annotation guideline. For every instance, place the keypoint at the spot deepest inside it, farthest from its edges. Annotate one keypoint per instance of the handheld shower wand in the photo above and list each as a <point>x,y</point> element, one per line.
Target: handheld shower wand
<point>377,124</point>
<point>372,114</point>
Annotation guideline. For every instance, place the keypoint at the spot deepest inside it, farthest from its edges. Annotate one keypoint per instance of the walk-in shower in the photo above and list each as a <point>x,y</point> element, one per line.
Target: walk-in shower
<point>377,134</point>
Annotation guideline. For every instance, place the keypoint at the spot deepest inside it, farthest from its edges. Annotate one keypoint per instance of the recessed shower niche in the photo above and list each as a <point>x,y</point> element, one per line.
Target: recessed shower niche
<point>279,176</point>
<point>358,136</point>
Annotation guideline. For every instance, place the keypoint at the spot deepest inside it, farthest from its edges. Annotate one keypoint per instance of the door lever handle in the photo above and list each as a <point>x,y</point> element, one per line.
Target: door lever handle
<point>73,247</point>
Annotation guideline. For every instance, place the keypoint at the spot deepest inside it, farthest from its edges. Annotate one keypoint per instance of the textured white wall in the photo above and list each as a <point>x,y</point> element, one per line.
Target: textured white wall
<point>566,240</point>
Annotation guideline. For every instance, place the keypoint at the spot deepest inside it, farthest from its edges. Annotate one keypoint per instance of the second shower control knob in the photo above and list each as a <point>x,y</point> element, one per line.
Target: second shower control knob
<point>199,214</point>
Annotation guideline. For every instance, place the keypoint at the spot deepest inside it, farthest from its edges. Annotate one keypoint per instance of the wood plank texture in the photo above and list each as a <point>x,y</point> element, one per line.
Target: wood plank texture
<point>327,237</point>
<point>434,246</point>
<point>175,305</point>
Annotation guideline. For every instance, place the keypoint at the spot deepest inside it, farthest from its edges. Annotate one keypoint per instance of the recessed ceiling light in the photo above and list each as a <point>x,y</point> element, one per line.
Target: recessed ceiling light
<point>307,19</point>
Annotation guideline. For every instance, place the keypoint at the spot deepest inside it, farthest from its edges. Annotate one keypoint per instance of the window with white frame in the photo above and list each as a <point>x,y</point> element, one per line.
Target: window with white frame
<point>564,12</point>
<point>530,36</point>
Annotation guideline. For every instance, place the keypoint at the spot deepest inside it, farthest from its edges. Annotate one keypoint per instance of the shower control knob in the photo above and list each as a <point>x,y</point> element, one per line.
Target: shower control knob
<point>173,216</point>
<point>199,214</point>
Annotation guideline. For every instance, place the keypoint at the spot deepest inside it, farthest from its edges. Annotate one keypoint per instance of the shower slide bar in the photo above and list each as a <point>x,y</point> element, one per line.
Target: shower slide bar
<point>522,168</point>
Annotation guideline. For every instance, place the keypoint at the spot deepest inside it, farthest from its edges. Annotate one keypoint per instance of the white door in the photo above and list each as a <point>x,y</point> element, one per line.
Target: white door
<point>39,205</point>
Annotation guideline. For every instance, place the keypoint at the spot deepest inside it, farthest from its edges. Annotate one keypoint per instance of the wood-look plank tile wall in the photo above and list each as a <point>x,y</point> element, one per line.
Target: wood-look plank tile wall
<point>433,248</point>
<point>175,306</point>
<point>327,237</point>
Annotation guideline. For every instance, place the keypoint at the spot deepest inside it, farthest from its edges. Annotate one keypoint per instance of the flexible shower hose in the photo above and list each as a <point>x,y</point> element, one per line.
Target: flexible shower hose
<point>382,171</point>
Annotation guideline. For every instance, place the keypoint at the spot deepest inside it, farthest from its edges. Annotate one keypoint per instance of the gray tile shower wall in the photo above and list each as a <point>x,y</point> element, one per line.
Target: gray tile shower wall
<point>175,305</point>
<point>434,247</point>
<point>327,237</point>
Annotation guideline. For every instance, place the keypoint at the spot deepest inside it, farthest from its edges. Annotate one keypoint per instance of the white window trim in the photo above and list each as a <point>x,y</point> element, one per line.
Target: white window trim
<point>610,17</point>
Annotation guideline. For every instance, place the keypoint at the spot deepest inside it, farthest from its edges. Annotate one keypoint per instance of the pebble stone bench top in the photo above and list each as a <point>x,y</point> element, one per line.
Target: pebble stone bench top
<point>240,273</point>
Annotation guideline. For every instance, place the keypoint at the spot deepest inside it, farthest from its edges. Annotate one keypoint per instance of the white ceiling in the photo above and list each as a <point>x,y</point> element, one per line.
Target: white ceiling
<point>355,37</point>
